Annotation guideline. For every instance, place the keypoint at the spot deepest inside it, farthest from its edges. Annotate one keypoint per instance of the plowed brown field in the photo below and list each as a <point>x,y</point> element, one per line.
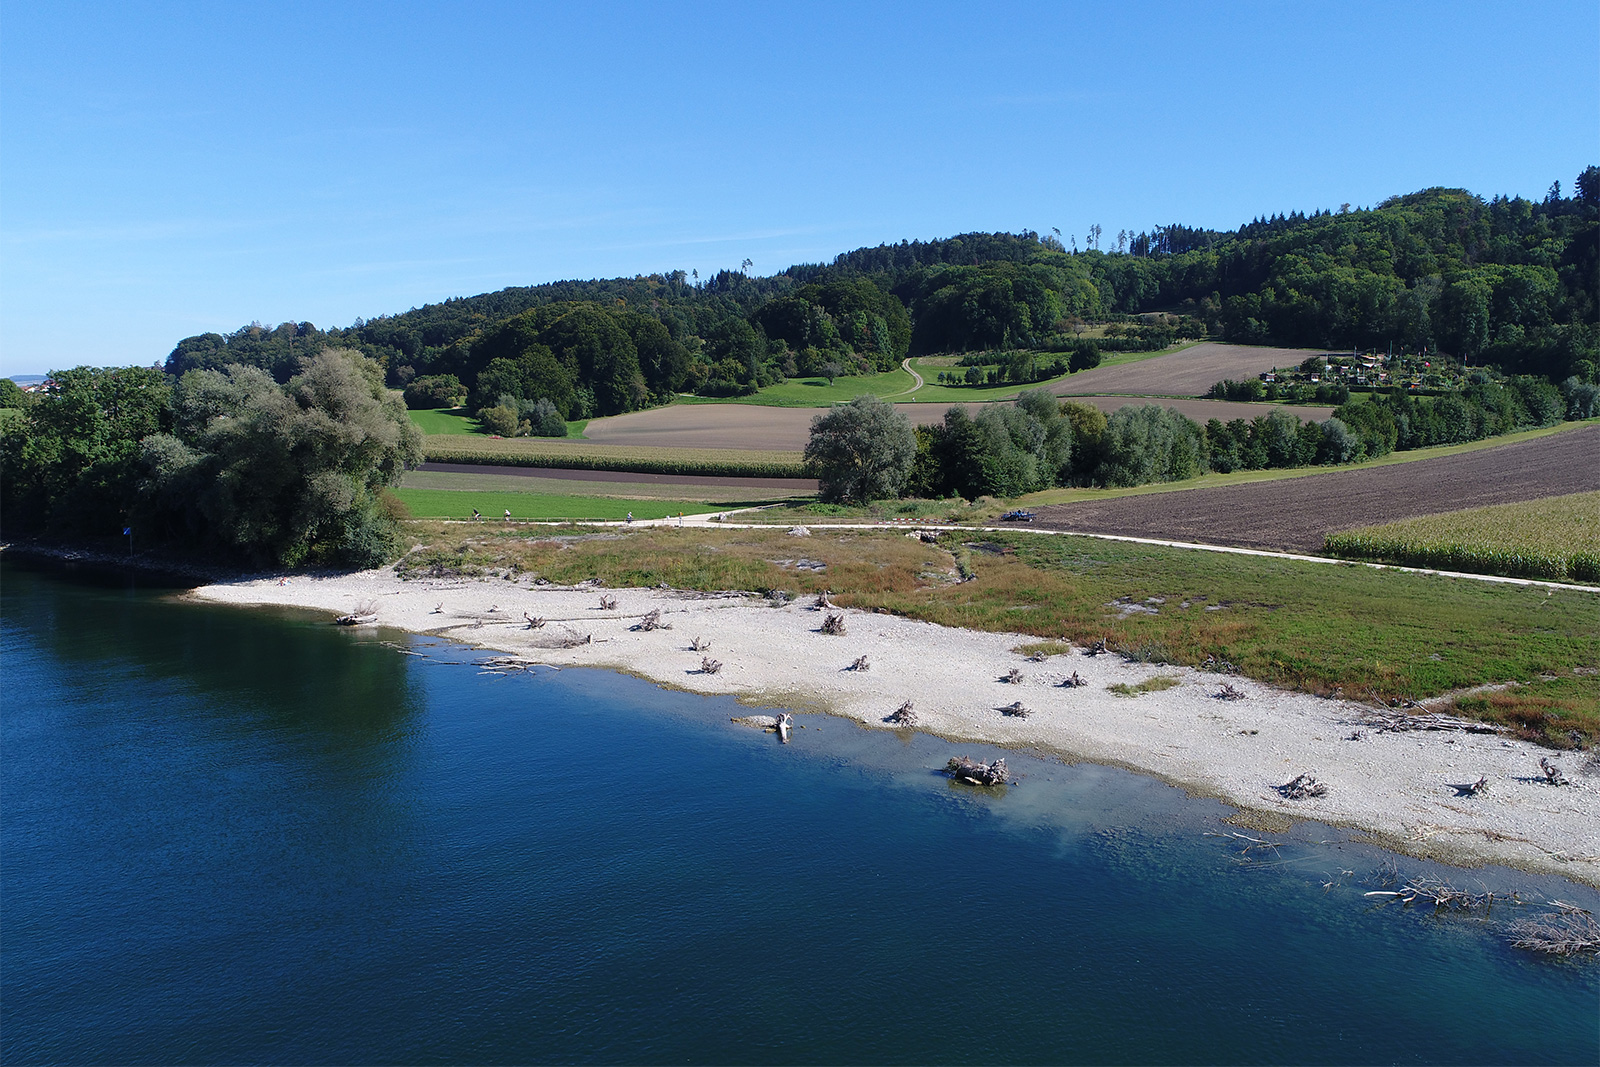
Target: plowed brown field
<point>1293,514</point>
<point>1187,373</point>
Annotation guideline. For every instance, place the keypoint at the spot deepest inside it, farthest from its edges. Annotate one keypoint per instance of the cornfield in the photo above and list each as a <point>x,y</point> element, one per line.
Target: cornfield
<point>1556,538</point>
<point>582,455</point>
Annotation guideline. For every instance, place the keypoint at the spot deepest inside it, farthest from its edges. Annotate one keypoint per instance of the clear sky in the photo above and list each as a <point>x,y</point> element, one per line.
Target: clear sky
<point>168,169</point>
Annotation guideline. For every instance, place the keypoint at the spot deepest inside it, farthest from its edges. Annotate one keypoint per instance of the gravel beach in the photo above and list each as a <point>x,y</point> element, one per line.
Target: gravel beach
<point>1408,790</point>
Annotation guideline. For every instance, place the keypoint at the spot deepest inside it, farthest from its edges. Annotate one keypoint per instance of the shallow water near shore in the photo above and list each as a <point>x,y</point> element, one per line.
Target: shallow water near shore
<point>245,835</point>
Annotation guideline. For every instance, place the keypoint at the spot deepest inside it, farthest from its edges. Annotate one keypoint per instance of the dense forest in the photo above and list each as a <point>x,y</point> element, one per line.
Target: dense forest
<point>1507,282</point>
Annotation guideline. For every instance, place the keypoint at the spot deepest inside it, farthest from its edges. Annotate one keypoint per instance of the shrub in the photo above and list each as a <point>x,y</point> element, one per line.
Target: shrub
<point>860,451</point>
<point>435,391</point>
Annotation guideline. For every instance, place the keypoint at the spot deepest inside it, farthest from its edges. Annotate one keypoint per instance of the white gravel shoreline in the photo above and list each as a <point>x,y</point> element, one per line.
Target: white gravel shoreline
<point>1401,787</point>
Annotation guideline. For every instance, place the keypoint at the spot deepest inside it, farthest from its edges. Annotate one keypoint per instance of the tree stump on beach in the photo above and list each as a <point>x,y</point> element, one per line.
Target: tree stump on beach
<point>833,624</point>
<point>902,716</point>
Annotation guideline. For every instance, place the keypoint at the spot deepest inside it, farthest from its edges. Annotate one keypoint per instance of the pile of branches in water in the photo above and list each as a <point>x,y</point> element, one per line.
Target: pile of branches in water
<point>1443,896</point>
<point>977,772</point>
<point>1572,931</point>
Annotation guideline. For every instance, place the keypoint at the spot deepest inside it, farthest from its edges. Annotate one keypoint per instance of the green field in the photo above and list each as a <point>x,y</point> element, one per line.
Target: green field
<point>816,392</point>
<point>458,504</point>
<point>456,421</point>
<point>1557,537</point>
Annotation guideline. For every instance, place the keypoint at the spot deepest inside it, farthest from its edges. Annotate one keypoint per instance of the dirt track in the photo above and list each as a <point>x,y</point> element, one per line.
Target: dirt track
<point>1295,513</point>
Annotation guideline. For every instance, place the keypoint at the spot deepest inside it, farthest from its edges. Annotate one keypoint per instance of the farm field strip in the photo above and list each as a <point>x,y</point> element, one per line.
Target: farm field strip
<point>664,489</point>
<point>1296,513</point>
<point>1556,537</point>
<point>579,455</point>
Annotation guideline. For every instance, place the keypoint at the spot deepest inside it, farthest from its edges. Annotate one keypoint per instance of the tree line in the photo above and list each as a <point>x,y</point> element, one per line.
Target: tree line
<point>867,450</point>
<point>225,462</point>
<point>1508,282</point>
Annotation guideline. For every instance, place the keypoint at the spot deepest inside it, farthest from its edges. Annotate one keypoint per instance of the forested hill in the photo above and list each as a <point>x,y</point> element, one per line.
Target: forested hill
<point>1507,281</point>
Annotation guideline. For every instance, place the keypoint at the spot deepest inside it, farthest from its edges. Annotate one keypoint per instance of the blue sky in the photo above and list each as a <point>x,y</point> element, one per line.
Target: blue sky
<point>168,169</point>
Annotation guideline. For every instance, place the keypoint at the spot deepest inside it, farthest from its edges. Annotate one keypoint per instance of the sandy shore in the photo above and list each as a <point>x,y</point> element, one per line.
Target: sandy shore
<point>1402,788</point>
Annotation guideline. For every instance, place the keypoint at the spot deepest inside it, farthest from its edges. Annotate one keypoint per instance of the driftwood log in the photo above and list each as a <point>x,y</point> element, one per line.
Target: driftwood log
<point>533,623</point>
<point>902,716</point>
<point>608,602</point>
<point>1013,677</point>
<point>1301,786</point>
<point>699,644</point>
<point>977,772</point>
<point>1017,710</point>
<point>1552,773</point>
<point>709,665</point>
<point>833,624</point>
<point>1073,681</point>
<point>652,621</point>
<point>822,600</point>
<point>1228,692</point>
<point>1399,722</point>
<point>860,664</point>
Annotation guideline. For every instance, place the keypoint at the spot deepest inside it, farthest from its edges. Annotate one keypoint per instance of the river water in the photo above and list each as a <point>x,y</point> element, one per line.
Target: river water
<point>247,836</point>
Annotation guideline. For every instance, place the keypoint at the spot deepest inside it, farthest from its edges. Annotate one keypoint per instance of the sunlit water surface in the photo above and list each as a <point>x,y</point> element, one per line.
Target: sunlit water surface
<point>245,836</point>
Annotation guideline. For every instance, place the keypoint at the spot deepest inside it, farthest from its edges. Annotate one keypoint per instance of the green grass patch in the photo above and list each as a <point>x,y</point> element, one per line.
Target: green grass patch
<point>583,455</point>
<point>457,481</point>
<point>1556,538</point>
<point>458,504</point>
<point>445,421</point>
<point>455,422</point>
<point>817,392</point>
<point>1149,685</point>
<point>1043,648</point>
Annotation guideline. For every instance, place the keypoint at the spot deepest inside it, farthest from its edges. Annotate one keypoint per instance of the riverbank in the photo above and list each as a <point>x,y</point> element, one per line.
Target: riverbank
<point>1407,790</point>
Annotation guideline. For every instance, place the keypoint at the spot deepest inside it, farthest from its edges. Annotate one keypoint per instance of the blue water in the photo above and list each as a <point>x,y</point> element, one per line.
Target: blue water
<point>245,836</point>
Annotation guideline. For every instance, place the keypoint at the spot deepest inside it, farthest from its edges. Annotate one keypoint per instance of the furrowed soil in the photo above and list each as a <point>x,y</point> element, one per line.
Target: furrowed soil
<point>1187,373</point>
<point>1294,514</point>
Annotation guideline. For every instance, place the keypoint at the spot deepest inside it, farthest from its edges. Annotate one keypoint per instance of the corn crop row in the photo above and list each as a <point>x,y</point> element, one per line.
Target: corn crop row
<point>1477,559</point>
<point>724,463</point>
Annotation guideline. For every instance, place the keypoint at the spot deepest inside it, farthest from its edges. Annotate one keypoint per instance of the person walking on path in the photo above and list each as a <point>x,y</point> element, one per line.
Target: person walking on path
<point>508,514</point>
<point>630,518</point>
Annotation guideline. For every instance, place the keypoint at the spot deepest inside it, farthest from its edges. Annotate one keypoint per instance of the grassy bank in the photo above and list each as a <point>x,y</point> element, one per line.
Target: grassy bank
<point>1349,631</point>
<point>458,504</point>
<point>1556,538</point>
